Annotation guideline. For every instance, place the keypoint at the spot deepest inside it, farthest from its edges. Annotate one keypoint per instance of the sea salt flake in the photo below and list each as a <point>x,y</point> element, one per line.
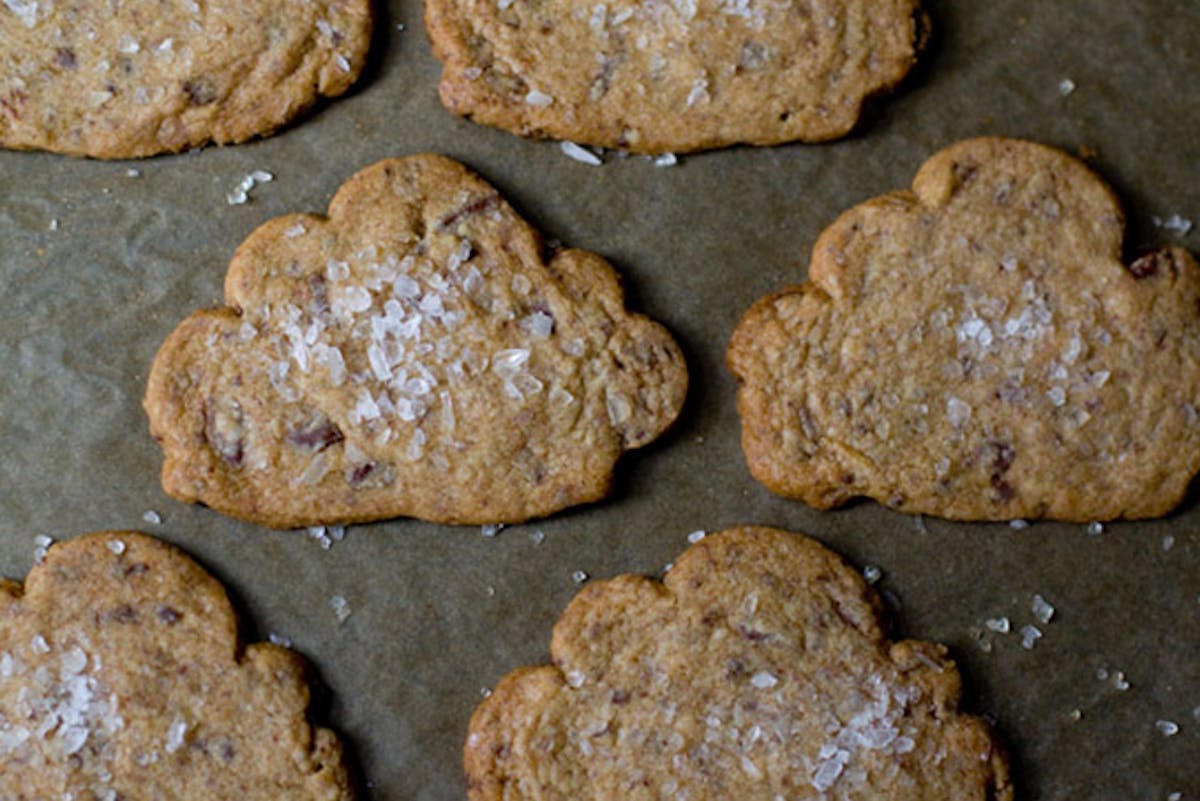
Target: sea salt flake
<point>1095,528</point>
<point>1001,625</point>
<point>579,576</point>
<point>538,99</point>
<point>26,11</point>
<point>491,529</point>
<point>342,62</point>
<point>872,573</point>
<point>1029,636</point>
<point>575,678</point>
<point>1168,542</point>
<point>1066,86</point>
<point>116,546</point>
<point>1168,728</point>
<point>580,154</point>
<point>1042,610</point>
<point>1018,524</point>
<point>764,680</point>
<point>696,536</point>
<point>1174,224</point>
<point>958,412</point>
<point>175,735</point>
<point>341,608</point>
<point>279,639</point>
<point>666,160</point>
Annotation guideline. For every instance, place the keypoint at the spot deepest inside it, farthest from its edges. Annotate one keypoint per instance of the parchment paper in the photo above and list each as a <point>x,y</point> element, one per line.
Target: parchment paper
<point>98,264</point>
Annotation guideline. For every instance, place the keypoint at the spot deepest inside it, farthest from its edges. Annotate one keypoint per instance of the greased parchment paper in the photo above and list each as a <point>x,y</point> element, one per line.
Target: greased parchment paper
<point>99,261</point>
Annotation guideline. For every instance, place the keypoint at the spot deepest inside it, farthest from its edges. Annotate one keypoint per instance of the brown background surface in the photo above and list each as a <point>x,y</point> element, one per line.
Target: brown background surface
<point>441,612</point>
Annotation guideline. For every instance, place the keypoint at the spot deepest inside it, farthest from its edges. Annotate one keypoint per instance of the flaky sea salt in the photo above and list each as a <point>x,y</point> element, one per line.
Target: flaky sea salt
<point>341,608</point>
<point>41,546</point>
<point>1042,610</point>
<point>538,99</point>
<point>491,529</point>
<point>666,160</point>
<point>1168,728</point>
<point>116,546</point>
<point>1000,625</point>
<point>696,536</point>
<point>1095,528</point>
<point>1029,636</point>
<point>1066,86</point>
<point>579,576</point>
<point>580,154</point>
<point>764,680</point>
<point>872,573</point>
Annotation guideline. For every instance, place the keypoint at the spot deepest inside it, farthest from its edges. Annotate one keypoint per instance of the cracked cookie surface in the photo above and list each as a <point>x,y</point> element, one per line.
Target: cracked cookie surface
<point>413,354</point>
<point>655,77</point>
<point>127,79</point>
<point>121,676</point>
<point>757,669</point>
<point>976,349</point>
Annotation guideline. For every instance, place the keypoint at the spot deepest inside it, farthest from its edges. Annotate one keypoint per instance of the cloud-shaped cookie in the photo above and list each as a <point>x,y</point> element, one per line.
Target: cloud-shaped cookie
<point>123,80</point>
<point>653,77</point>
<point>413,354</point>
<point>121,677</point>
<point>756,670</point>
<point>976,349</point>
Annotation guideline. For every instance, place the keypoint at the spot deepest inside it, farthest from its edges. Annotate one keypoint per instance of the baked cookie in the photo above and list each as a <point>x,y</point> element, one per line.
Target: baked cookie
<point>124,80</point>
<point>654,77</point>
<point>756,670</point>
<point>412,354</point>
<point>121,677</point>
<point>976,349</point>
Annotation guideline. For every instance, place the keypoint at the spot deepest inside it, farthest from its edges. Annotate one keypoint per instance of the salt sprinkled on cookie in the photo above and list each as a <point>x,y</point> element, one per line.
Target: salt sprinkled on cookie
<point>994,387</point>
<point>721,684</point>
<point>412,354</point>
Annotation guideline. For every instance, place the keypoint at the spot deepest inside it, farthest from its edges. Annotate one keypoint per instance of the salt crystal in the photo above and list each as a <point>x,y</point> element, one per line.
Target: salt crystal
<point>296,230</point>
<point>998,624</point>
<point>872,574</point>
<point>1175,796</point>
<point>342,62</point>
<point>175,736</point>
<point>1018,524</point>
<point>1120,682</point>
<point>1057,396</point>
<point>39,645</point>
<point>666,160</point>
<point>537,536</point>
<point>341,608</point>
<point>1066,86</point>
<point>128,44</point>
<point>1042,610</point>
<point>1169,728</point>
<point>1095,528</point>
<point>579,576</point>
<point>764,680</point>
<point>538,99</point>
<point>699,92</point>
<point>1175,224</point>
<point>958,412</point>
<point>42,545</point>
<point>262,176</point>
<point>574,151</point>
<point>491,529</point>
<point>1029,636</point>
<point>279,639</point>
<point>575,678</point>
<point>696,536</point>
<point>1168,542</point>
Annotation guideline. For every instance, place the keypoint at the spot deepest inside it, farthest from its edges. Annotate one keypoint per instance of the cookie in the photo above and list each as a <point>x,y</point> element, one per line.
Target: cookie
<point>121,676</point>
<point>414,354</point>
<point>125,80</point>
<point>685,75</point>
<point>977,349</point>
<point>757,669</point>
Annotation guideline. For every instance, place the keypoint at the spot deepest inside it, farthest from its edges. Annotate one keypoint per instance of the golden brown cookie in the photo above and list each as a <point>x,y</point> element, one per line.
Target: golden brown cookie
<point>124,80</point>
<point>976,349</point>
<point>677,75</point>
<point>121,677</point>
<point>412,354</point>
<point>757,669</point>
